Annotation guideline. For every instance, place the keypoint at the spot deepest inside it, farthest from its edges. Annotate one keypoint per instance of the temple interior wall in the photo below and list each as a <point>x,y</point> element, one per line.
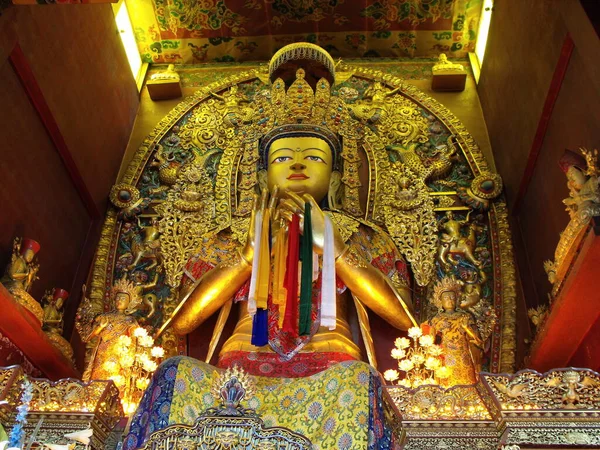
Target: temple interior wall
<point>75,57</point>
<point>528,44</point>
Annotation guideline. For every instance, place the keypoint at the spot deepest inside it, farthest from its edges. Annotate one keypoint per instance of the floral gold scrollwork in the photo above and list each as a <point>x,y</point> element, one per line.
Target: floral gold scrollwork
<point>185,217</point>
<point>230,426</point>
<point>437,403</point>
<point>410,220</point>
<point>557,389</point>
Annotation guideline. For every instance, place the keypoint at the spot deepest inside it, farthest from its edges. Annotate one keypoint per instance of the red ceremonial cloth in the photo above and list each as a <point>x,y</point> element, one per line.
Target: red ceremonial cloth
<point>290,320</point>
<point>272,365</point>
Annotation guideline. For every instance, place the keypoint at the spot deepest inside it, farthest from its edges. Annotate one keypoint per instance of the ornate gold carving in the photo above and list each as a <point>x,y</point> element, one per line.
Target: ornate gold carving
<point>438,403</point>
<point>185,217</point>
<point>538,315</point>
<point>64,406</point>
<point>557,389</point>
<point>346,225</point>
<point>508,340</point>
<point>410,220</point>
<point>229,426</point>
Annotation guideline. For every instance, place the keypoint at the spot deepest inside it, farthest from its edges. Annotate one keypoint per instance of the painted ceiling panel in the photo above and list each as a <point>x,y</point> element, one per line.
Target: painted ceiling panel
<point>192,31</point>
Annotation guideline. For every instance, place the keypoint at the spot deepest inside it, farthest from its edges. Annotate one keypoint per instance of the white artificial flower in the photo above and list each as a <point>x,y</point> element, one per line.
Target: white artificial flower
<point>432,363</point>
<point>435,350</point>
<point>146,341</point>
<point>415,332</point>
<point>391,375</point>
<point>398,353</point>
<point>140,332</point>
<point>406,365</point>
<point>426,340</point>
<point>157,352</point>
<point>402,343</point>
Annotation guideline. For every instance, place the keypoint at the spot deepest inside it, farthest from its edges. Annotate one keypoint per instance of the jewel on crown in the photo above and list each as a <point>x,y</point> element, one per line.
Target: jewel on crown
<point>300,103</point>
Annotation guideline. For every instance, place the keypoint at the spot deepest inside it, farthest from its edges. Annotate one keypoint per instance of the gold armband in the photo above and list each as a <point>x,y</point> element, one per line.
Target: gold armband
<point>244,259</point>
<point>343,252</point>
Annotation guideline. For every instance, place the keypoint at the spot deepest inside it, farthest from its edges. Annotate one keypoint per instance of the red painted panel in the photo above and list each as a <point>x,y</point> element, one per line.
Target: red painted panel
<point>22,330</point>
<point>538,140</point>
<point>23,70</point>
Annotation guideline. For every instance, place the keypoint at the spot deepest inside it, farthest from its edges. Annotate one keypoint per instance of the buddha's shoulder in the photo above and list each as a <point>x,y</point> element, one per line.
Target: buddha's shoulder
<point>352,227</point>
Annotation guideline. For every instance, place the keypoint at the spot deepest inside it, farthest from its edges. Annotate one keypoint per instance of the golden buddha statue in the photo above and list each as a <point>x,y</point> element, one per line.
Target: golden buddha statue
<point>108,327</point>
<point>300,162</point>
<point>460,338</point>
<point>21,273</point>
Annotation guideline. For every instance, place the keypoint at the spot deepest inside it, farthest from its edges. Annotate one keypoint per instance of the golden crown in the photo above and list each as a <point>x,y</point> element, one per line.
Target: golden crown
<point>126,286</point>
<point>446,284</point>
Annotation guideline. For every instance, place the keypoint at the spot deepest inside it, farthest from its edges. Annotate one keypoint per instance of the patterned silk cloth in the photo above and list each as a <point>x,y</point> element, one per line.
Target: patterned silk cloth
<point>339,408</point>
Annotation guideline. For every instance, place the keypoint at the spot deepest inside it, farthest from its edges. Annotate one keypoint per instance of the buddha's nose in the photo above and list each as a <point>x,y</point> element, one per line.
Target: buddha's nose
<point>298,165</point>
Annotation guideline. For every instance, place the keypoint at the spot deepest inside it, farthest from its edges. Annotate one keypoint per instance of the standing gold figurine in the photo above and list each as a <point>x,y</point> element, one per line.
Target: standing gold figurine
<point>460,339</point>
<point>21,273</point>
<point>108,327</point>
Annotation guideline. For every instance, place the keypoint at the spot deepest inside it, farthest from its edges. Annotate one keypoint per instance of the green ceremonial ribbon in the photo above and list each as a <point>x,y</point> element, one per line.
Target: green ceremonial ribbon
<point>306,274</point>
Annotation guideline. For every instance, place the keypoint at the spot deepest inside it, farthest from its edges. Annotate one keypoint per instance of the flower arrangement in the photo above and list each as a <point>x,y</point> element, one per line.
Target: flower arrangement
<point>420,358</point>
<point>136,361</point>
<point>17,433</point>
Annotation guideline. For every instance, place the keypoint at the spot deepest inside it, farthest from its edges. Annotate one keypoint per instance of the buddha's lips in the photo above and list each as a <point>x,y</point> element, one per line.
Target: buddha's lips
<point>298,176</point>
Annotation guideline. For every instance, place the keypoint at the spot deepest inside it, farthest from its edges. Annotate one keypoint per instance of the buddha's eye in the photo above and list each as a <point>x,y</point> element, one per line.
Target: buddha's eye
<point>315,158</point>
<point>280,159</point>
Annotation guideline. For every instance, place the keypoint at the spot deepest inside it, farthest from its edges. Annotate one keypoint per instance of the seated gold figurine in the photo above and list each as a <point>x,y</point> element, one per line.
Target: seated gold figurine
<point>21,273</point>
<point>53,309</point>
<point>300,165</point>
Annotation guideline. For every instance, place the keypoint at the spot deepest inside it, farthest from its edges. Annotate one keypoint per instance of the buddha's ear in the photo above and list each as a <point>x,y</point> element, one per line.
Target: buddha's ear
<point>262,179</point>
<point>334,194</point>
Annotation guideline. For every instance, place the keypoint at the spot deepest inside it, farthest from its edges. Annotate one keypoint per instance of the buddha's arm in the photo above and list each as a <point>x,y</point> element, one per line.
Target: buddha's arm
<point>209,293</point>
<point>374,289</point>
<point>217,285</point>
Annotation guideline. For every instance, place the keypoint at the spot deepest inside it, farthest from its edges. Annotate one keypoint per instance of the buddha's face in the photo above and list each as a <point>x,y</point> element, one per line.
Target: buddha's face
<point>300,164</point>
<point>121,301</point>
<point>448,300</point>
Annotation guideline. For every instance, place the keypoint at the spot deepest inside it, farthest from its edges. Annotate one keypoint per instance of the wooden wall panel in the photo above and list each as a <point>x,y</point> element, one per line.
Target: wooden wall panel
<point>37,198</point>
<point>574,123</point>
<point>74,57</point>
<point>523,48</point>
<point>539,84</point>
<point>77,58</point>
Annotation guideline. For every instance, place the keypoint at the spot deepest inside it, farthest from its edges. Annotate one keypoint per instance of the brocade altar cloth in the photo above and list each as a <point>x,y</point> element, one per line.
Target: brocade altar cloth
<point>339,408</point>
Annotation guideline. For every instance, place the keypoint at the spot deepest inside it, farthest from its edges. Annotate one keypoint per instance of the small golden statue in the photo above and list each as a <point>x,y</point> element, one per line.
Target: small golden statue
<point>460,338</point>
<point>21,273</point>
<point>454,243</point>
<point>582,204</point>
<point>53,302</point>
<point>108,327</point>
<point>445,66</point>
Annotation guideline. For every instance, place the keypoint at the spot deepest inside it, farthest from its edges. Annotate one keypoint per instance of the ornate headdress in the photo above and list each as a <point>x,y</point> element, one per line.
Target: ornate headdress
<point>127,287</point>
<point>29,244</point>
<point>446,284</point>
